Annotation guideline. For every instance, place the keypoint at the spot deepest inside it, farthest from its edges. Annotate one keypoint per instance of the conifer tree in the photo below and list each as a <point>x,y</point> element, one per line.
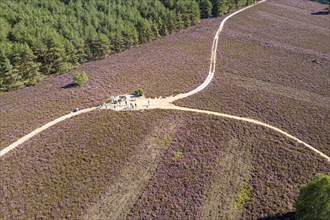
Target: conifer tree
<point>55,57</point>
<point>24,66</point>
<point>6,73</point>
<point>4,29</point>
<point>194,12</point>
<point>205,8</point>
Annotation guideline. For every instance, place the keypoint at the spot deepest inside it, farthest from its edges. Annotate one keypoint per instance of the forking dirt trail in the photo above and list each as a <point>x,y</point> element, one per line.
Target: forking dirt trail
<point>166,103</point>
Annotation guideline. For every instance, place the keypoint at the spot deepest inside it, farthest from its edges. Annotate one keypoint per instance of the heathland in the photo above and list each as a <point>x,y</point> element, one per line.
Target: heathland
<point>273,65</point>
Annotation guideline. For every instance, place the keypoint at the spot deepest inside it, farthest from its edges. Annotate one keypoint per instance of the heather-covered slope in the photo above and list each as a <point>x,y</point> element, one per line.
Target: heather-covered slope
<point>175,165</point>
<point>157,164</point>
<point>273,65</point>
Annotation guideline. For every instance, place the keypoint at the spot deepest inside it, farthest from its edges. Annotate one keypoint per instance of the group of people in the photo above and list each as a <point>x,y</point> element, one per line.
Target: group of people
<point>131,105</point>
<point>127,104</point>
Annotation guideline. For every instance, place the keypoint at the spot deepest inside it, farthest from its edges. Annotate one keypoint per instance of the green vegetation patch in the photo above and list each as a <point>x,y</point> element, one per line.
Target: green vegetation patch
<point>139,92</point>
<point>80,79</point>
<point>314,199</point>
<point>244,195</point>
<point>178,154</point>
<point>162,141</point>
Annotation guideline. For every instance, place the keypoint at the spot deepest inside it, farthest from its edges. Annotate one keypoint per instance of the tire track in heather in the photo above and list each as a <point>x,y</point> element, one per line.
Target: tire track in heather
<point>166,103</point>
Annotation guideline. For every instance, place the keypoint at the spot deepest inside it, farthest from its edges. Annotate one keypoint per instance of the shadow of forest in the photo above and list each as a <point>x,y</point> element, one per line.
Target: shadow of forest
<point>286,216</point>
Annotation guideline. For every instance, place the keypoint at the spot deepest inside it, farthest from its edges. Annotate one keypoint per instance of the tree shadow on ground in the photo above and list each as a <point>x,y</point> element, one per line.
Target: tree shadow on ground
<point>321,1</point>
<point>324,11</point>
<point>286,216</point>
<point>320,13</point>
<point>69,86</point>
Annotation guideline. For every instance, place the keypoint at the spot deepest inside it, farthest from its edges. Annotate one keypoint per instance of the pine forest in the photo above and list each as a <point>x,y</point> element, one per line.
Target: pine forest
<point>41,38</point>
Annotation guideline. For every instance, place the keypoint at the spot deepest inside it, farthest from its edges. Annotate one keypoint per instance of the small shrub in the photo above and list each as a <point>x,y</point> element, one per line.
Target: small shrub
<point>139,92</point>
<point>243,196</point>
<point>178,154</point>
<point>317,61</point>
<point>80,79</point>
<point>314,199</point>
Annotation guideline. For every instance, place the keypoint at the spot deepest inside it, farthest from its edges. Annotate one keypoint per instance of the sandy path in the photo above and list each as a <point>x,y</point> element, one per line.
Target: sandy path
<point>213,58</point>
<point>44,127</point>
<point>166,103</point>
<point>253,121</point>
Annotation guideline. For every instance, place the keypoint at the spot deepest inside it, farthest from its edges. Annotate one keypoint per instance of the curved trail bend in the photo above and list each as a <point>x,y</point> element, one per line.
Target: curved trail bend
<point>253,121</point>
<point>213,60</point>
<point>166,103</point>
